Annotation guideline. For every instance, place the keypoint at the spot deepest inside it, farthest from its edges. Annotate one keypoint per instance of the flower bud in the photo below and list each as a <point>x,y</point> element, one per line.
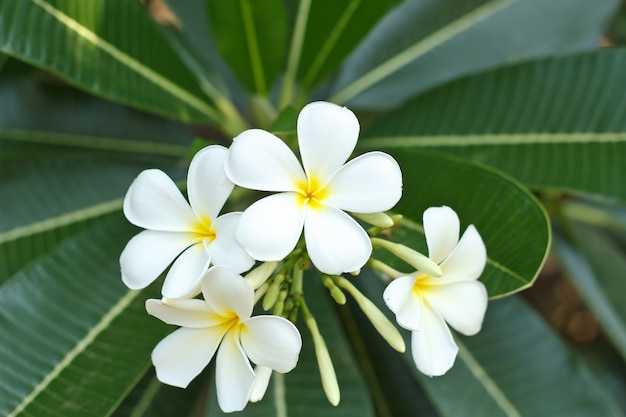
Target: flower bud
<point>325,364</point>
<point>379,219</point>
<point>418,261</point>
<point>261,273</point>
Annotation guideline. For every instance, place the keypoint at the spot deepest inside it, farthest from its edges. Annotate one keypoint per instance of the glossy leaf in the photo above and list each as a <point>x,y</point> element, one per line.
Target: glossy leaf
<point>420,45</point>
<point>73,338</point>
<point>252,37</point>
<point>559,123</point>
<point>596,266</point>
<point>110,48</point>
<point>515,366</point>
<point>510,220</point>
<point>299,392</point>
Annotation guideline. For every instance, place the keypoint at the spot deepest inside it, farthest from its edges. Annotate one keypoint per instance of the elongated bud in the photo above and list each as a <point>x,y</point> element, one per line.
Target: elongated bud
<point>336,293</point>
<point>387,330</point>
<point>280,303</point>
<point>379,219</point>
<point>325,364</point>
<point>261,273</point>
<point>263,375</point>
<point>418,261</point>
<point>260,292</point>
<point>396,218</point>
<point>272,292</point>
<point>384,268</point>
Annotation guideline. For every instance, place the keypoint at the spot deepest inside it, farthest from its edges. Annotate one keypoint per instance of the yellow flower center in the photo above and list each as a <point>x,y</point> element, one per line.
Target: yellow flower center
<point>421,285</point>
<point>312,192</point>
<point>203,228</point>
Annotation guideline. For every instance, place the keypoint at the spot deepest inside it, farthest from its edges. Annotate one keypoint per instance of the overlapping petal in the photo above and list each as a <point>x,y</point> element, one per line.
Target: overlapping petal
<point>208,187</point>
<point>234,377</point>
<point>279,351</point>
<point>193,313</point>
<point>433,347</point>
<point>261,161</point>
<point>441,227</point>
<point>403,302</point>
<point>154,202</point>
<point>468,259</point>
<point>182,355</point>
<point>225,250</point>
<point>367,184</point>
<point>335,242</point>
<point>270,228</point>
<point>461,304</point>
<point>148,253</point>
<point>327,135</point>
<point>183,278</point>
<point>227,292</point>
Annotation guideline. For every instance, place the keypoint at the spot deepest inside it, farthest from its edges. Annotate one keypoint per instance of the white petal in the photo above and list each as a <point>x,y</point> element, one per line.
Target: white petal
<point>270,228</point>
<point>225,250</point>
<point>433,347</point>
<point>271,341</point>
<point>367,184</point>
<point>186,313</point>
<point>261,161</point>
<point>234,377</point>
<point>441,226</point>
<point>327,135</point>
<point>335,242</point>
<point>148,253</point>
<point>154,202</point>
<point>263,375</point>
<point>182,355</point>
<point>406,305</point>
<point>461,304</point>
<point>468,259</point>
<point>208,186</point>
<point>227,292</point>
<point>183,278</point>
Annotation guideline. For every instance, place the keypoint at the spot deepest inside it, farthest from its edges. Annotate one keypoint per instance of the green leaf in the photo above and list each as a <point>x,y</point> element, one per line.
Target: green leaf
<point>252,37</point>
<point>333,29</point>
<point>420,45</point>
<point>515,366</point>
<point>512,223</point>
<point>73,338</point>
<point>299,393</point>
<point>558,123</point>
<point>110,48</point>
<point>596,267</point>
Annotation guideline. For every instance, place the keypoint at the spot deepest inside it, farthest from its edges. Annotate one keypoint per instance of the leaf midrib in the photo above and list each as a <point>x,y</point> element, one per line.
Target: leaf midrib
<point>419,49</point>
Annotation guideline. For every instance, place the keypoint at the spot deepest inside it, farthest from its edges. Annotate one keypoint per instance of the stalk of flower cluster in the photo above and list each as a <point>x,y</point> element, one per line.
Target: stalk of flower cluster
<point>325,364</point>
<point>387,330</point>
<point>417,260</point>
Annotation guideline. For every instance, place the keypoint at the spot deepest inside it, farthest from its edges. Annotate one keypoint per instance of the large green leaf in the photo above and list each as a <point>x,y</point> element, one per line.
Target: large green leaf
<point>559,123</point>
<point>423,44</point>
<point>511,221</point>
<point>596,266</point>
<point>252,37</point>
<point>515,366</point>
<point>61,167</point>
<point>73,339</point>
<point>111,48</point>
<point>299,393</point>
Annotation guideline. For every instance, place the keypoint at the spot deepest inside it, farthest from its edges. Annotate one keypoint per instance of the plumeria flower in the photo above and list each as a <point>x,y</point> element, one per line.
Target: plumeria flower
<point>424,304</point>
<point>317,197</point>
<point>189,234</point>
<point>222,322</point>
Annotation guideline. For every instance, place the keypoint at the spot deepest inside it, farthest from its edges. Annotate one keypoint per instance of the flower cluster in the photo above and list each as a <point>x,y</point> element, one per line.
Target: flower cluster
<point>313,211</point>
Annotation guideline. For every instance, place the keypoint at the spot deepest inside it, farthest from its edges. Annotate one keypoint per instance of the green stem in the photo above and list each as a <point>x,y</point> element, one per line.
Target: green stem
<point>294,53</point>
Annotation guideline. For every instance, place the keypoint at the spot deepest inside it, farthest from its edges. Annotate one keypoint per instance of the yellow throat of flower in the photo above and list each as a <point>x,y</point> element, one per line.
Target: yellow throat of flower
<point>312,192</point>
<point>203,228</point>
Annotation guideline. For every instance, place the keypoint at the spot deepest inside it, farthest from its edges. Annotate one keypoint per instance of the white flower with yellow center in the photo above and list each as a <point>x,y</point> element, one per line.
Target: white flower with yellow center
<point>317,197</point>
<point>222,323</point>
<point>424,303</point>
<point>191,235</point>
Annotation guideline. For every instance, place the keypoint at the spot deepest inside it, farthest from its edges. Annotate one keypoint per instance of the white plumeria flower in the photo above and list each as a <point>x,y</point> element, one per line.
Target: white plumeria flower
<point>223,319</point>
<point>423,303</point>
<point>317,197</point>
<point>190,234</point>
